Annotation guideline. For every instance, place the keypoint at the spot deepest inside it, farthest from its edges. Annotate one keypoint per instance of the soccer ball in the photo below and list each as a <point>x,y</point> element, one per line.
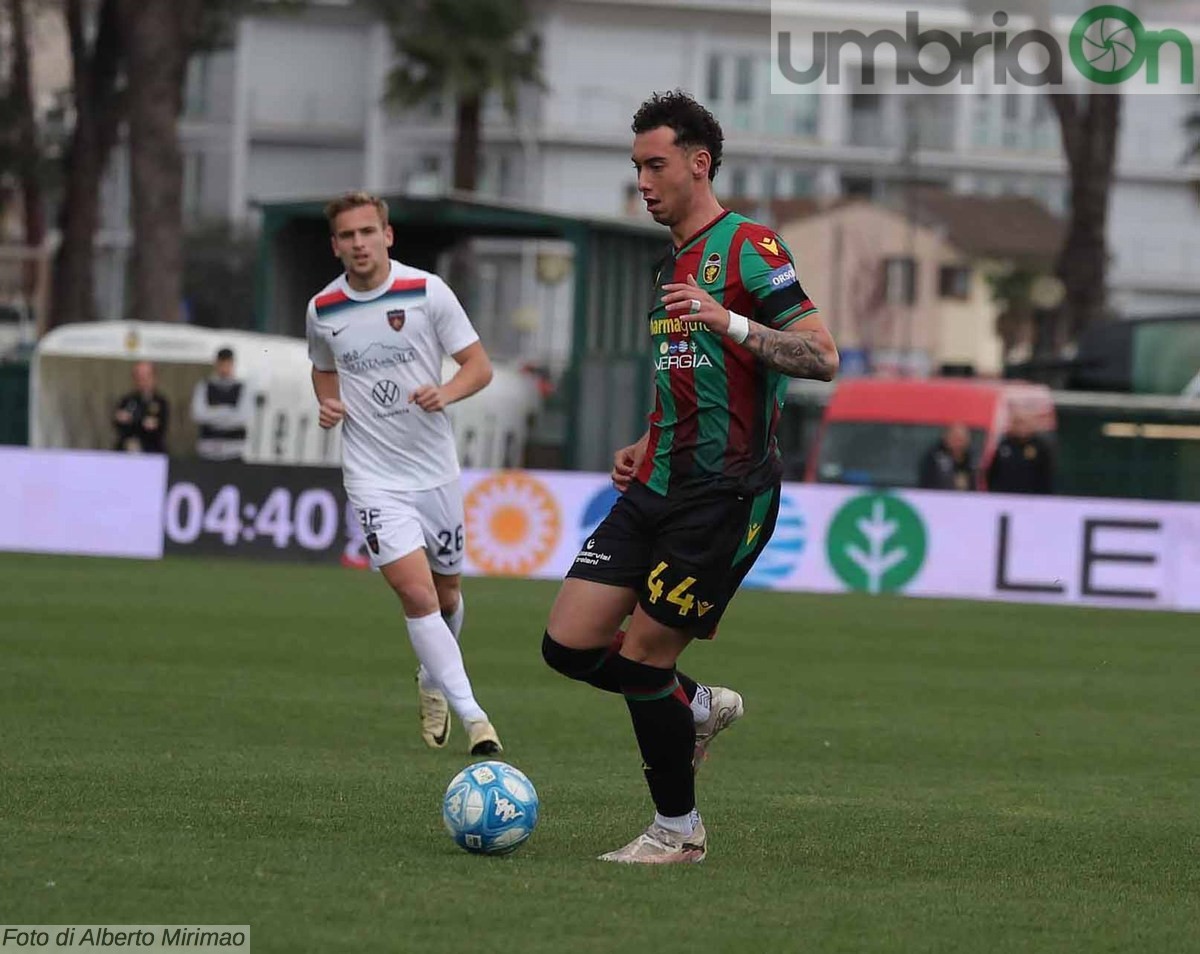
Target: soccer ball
<point>490,808</point>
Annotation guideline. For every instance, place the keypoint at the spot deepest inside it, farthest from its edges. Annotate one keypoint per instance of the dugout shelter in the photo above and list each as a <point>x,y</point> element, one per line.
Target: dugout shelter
<point>79,371</point>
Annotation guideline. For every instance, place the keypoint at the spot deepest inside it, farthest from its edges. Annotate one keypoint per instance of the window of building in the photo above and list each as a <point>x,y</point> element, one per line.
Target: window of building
<point>743,80</point>
<point>867,120</point>
<point>713,84</point>
<point>739,181</point>
<point>426,175</point>
<point>631,203</point>
<point>858,187</point>
<point>1014,121</point>
<point>954,281</point>
<point>739,93</point>
<point>770,183</point>
<point>193,186</point>
<point>792,115</point>
<point>195,89</point>
<point>899,281</point>
<point>506,175</point>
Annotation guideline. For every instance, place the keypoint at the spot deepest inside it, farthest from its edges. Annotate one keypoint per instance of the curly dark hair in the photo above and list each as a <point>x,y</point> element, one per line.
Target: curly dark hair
<point>693,124</point>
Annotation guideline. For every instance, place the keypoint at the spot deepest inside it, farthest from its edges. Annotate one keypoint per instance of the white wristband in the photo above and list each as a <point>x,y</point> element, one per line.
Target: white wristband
<point>739,327</point>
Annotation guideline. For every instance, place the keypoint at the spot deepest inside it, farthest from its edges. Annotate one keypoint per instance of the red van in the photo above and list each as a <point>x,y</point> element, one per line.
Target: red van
<point>875,430</point>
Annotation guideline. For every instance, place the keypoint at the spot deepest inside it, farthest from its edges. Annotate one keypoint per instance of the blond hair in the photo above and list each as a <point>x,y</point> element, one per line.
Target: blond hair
<point>355,200</point>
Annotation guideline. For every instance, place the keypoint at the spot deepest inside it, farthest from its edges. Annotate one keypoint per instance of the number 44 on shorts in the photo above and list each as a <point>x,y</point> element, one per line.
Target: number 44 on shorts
<point>679,595</point>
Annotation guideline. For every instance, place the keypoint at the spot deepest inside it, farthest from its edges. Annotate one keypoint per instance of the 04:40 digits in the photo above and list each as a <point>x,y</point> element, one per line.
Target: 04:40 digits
<point>312,520</point>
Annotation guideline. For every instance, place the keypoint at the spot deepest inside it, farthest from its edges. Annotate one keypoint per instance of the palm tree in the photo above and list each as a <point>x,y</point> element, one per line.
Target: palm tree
<point>468,48</point>
<point>1090,126</point>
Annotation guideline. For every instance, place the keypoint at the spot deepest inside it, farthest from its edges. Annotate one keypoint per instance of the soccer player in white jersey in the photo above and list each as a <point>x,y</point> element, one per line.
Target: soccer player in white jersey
<point>377,337</point>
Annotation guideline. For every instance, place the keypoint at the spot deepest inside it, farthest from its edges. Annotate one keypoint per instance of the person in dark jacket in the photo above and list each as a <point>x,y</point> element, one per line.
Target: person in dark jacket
<point>948,465</point>
<point>1023,463</point>
<point>141,416</point>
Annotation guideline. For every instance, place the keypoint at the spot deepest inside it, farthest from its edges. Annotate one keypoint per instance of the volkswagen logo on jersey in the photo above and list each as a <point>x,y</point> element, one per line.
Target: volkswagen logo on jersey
<point>385,393</point>
<point>395,318</point>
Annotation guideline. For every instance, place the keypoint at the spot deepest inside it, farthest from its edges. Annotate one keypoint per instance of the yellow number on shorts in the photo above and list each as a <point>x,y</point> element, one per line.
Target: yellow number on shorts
<point>676,596</point>
<point>654,584</point>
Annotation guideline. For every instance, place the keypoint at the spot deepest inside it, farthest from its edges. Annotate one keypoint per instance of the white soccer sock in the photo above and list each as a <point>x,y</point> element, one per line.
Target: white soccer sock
<point>454,621</point>
<point>701,704</point>
<point>440,656</point>
<point>682,824</point>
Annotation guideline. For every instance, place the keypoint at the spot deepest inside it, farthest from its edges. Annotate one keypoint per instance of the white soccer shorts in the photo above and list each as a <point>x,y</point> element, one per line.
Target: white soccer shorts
<point>396,523</point>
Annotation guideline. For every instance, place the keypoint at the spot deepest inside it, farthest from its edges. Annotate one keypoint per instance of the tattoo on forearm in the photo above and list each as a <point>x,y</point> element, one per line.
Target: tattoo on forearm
<point>793,353</point>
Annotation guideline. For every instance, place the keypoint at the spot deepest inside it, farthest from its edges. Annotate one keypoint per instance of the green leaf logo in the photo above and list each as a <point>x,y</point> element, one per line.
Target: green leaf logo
<point>876,543</point>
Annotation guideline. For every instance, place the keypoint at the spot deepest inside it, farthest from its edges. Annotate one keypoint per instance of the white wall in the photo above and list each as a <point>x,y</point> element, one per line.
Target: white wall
<point>308,74</point>
<point>1155,236</point>
<point>284,172</point>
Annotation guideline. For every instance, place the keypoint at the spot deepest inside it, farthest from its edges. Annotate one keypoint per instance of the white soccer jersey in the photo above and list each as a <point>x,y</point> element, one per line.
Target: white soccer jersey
<point>384,344</point>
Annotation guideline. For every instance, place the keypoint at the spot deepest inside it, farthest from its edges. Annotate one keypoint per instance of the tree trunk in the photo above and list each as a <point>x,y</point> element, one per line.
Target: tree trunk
<point>28,166</point>
<point>466,143</point>
<point>459,272</point>
<point>158,35</point>
<point>28,157</point>
<point>1090,127</point>
<point>97,118</point>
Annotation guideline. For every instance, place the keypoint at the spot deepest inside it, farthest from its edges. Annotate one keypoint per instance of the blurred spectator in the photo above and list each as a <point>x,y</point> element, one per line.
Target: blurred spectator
<point>1022,463</point>
<point>142,415</point>
<point>221,410</point>
<point>947,465</point>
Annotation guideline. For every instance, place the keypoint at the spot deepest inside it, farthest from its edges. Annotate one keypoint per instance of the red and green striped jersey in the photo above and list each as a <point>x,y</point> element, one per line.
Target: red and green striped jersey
<point>716,404</point>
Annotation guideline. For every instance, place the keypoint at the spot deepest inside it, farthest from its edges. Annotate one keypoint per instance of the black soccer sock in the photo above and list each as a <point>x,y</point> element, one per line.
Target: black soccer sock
<point>687,684</point>
<point>596,666</point>
<point>586,665</point>
<point>666,735</point>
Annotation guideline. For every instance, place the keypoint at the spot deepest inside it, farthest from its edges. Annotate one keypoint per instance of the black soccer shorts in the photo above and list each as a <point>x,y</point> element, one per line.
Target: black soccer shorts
<point>685,555</point>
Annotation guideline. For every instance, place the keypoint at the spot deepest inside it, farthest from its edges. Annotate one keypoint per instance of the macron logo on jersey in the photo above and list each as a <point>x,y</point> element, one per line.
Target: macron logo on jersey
<point>783,276</point>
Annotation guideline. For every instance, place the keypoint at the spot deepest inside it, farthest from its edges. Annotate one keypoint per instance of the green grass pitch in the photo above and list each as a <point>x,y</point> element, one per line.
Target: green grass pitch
<point>194,742</point>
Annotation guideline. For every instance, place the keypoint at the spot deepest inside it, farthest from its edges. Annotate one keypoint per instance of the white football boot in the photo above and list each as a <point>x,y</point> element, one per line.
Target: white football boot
<point>661,846</point>
<point>725,709</point>
<point>434,712</point>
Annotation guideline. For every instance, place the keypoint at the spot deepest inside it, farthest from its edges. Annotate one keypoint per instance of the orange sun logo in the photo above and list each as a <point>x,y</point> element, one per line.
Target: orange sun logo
<point>513,524</point>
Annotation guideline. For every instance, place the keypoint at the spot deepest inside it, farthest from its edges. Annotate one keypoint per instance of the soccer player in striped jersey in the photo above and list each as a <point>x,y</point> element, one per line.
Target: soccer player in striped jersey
<point>730,323</point>
<point>377,336</point>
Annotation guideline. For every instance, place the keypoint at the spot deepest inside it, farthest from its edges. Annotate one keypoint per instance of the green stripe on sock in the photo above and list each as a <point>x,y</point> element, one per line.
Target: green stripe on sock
<point>648,696</point>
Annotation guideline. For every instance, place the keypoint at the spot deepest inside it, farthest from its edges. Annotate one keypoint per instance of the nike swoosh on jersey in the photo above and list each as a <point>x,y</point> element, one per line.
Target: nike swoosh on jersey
<point>338,331</point>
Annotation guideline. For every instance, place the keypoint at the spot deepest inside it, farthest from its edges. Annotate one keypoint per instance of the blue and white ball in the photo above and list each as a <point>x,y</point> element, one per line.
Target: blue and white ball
<point>490,808</point>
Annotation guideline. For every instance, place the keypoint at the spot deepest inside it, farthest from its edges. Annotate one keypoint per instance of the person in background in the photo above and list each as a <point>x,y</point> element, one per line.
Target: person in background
<point>1022,463</point>
<point>221,408</point>
<point>948,465</point>
<point>141,416</point>
<point>377,336</point>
